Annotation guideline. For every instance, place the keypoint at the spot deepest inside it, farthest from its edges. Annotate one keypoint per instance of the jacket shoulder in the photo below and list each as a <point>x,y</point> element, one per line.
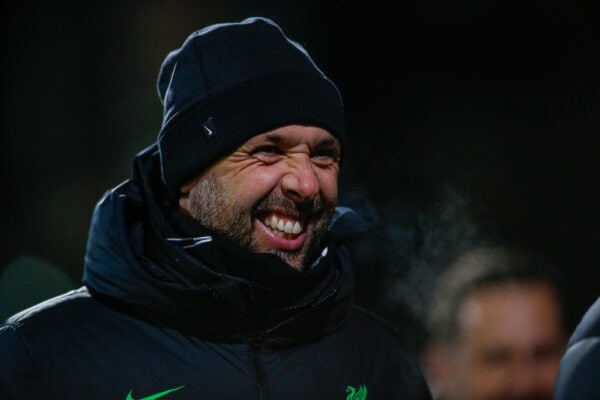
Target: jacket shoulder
<point>23,336</point>
<point>577,376</point>
<point>53,309</point>
<point>589,326</point>
<point>52,321</point>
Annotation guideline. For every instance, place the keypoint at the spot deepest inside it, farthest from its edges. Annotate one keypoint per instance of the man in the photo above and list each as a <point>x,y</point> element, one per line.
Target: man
<point>217,270</point>
<point>577,377</point>
<point>496,328</point>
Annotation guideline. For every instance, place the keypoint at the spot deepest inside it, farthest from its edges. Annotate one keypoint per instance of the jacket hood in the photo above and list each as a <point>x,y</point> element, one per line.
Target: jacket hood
<point>139,260</point>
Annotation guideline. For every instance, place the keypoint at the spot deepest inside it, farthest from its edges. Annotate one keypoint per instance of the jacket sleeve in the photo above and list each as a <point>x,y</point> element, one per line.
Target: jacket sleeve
<point>18,378</point>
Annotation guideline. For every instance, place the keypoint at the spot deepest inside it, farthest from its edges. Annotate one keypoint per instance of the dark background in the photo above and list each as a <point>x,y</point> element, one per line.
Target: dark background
<point>468,121</point>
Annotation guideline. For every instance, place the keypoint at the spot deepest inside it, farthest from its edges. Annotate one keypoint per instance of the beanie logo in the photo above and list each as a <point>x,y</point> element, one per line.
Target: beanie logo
<point>209,128</point>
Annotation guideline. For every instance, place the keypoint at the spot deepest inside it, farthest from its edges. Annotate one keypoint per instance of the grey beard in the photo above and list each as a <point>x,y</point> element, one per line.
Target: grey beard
<point>213,209</point>
<point>218,213</point>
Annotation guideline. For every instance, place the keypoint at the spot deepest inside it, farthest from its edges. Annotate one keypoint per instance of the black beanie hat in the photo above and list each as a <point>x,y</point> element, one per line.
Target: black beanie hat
<point>229,82</point>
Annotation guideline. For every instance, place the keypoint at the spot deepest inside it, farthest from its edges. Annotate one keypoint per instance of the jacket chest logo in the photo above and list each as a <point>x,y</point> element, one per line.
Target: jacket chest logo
<point>356,394</point>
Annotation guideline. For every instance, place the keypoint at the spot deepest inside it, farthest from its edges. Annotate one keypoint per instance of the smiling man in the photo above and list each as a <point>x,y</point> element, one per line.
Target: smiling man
<point>219,269</point>
<point>275,194</point>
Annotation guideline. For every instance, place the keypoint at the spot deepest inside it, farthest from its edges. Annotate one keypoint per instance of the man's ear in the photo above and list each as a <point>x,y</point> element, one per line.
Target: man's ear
<point>438,365</point>
<point>184,197</point>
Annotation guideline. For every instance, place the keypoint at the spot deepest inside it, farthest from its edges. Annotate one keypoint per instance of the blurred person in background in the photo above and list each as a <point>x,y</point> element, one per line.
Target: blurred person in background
<point>496,328</point>
<point>219,269</point>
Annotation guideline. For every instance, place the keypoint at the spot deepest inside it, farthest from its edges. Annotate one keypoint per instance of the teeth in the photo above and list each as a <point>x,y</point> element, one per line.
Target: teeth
<point>280,226</point>
<point>289,228</point>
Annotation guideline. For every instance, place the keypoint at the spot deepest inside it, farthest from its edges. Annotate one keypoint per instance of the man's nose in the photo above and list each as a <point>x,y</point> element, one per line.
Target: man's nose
<point>300,182</point>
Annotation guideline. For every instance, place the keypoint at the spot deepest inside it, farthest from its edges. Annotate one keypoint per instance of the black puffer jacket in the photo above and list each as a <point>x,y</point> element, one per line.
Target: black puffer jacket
<point>171,311</point>
<point>579,370</point>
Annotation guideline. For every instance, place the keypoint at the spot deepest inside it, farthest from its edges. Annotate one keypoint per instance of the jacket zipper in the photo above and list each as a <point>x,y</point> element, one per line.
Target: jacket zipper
<point>256,343</point>
<point>259,370</point>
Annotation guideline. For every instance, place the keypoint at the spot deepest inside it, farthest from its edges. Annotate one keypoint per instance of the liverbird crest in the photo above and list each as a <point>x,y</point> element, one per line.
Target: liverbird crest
<point>353,394</point>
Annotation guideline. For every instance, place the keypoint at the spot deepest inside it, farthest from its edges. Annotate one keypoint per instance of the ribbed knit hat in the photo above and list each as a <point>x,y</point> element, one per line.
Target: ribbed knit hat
<point>229,82</point>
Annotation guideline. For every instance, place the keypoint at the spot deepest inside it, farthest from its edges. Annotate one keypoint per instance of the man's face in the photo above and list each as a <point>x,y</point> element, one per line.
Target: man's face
<point>509,347</point>
<point>275,194</point>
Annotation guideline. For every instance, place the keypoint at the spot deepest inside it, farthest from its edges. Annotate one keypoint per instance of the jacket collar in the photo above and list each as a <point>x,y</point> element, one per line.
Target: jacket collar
<point>216,290</point>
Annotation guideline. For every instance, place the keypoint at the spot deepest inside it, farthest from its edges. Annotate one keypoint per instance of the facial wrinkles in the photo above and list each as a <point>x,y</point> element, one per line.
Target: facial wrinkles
<point>212,207</point>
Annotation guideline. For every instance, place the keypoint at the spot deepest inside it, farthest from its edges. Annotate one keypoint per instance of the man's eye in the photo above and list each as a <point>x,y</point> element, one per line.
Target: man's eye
<point>267,154</point>
<point>267,150</point>
<point>325,156</point>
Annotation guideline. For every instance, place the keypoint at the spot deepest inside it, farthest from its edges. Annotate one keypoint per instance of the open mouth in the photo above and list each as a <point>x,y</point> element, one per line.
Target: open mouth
<point>284,226</point>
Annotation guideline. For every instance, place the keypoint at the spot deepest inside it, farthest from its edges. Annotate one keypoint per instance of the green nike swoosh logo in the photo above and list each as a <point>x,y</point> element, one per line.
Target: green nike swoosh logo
<point>153,396</point>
